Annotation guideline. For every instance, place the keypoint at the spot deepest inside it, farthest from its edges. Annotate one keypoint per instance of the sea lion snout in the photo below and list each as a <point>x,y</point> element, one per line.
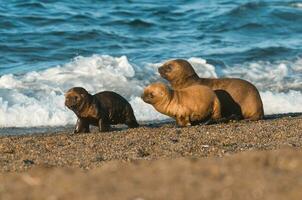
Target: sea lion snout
<point>71,102</point>
<point>143,97</point>
<point>75,97</point>
<point>164,69</point>
<point>147,97</point>
<point>155,92</point>
<point>161,70</point>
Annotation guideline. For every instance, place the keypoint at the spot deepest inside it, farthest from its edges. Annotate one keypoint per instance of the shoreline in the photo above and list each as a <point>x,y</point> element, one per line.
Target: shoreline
<point>45,130</point>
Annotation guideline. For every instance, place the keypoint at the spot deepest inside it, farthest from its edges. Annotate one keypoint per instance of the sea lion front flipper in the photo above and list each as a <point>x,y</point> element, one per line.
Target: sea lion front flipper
<point>81,126</point>
<point>183,121</point>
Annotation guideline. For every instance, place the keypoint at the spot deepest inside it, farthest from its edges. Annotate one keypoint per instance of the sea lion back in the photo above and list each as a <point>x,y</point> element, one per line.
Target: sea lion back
<point>117,107</point>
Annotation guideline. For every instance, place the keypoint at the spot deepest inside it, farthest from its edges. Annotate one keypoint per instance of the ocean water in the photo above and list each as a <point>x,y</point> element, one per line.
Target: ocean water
<point>46,47</point>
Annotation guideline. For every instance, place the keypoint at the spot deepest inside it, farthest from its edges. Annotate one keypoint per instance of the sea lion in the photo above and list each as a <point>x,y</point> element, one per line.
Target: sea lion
<point>237,96</point>
<point>101,109</point>
<point>189,106</point>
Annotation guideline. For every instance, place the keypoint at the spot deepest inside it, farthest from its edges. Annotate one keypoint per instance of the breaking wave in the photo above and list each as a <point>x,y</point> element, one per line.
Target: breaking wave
<point>37,98</point>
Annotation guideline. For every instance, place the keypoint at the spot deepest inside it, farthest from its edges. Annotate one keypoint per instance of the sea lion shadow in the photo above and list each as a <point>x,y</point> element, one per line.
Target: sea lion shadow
<point>229,108</point>
<point>113,128</point>
<point>158,124</point>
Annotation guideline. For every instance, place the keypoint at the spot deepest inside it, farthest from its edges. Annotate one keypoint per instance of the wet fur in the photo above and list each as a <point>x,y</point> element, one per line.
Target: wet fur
<point>102,109</point>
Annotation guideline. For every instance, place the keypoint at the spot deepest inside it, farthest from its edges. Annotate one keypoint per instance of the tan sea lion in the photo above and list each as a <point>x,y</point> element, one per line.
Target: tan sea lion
<point>189,106</point>
<point>236,96</point>
<point>102,109</point>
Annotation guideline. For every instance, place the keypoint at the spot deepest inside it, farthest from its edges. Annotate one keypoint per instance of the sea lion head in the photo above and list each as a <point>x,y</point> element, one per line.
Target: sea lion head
<point>155,92</point>
<point>176,70</point>
<point>76,98</point>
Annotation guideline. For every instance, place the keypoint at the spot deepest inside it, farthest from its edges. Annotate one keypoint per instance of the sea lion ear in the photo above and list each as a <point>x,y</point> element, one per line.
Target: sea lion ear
<point>66,94</point>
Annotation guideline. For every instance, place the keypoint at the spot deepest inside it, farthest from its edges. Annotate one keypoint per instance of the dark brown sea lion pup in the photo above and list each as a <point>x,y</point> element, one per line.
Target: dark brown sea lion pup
<point>188,106</point>
<point>102,109</point>
<point>245,97</point>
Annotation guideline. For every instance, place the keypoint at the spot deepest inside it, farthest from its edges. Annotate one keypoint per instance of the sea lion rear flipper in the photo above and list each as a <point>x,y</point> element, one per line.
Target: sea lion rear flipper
<point>130,118</point>
<point>104,125</point>
<point>223,119</point>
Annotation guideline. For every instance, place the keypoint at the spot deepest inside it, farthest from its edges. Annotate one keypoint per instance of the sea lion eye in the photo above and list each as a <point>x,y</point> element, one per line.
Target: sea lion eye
<point>168,68</point>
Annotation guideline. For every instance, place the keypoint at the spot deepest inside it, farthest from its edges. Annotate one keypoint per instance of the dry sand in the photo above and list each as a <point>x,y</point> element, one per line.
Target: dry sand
<point>158,162</point>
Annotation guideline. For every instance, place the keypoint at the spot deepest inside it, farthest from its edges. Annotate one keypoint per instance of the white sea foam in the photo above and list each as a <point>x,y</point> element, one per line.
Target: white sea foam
<point>275,103</point>
<point>278,77</point>
<point>37,98</point>
<point>202,68</point>
<point>296,5</point>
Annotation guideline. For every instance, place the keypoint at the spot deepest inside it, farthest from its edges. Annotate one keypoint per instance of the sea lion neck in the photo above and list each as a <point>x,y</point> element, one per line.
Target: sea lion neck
<point>85,106</point>
<point>184,82</point>
<point>165,101</point>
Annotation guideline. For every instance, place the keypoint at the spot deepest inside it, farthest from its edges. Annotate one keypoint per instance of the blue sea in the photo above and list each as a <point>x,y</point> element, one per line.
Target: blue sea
<point>48,46</point>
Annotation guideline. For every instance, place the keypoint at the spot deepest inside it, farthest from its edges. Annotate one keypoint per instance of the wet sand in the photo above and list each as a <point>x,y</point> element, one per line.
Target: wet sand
<point>236,160</point>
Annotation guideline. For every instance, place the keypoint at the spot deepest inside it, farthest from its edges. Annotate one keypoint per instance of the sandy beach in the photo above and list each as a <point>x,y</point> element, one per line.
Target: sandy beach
<point>248,52</point>
<point>236,160</point>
